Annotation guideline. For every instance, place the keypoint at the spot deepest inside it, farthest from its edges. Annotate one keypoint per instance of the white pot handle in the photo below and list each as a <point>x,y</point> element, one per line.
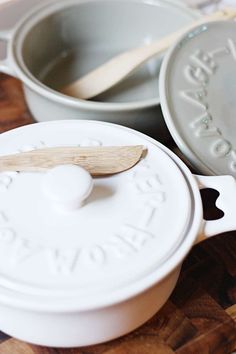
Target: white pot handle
<point>4,64</point>
<point>226,186</point>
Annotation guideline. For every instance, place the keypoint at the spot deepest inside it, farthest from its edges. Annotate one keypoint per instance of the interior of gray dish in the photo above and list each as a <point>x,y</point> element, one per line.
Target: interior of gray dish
<point>72,41</point>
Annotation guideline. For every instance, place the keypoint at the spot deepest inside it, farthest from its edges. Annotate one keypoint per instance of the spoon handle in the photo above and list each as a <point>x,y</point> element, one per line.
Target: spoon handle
<point>116,69</point>
<point>97,161</point>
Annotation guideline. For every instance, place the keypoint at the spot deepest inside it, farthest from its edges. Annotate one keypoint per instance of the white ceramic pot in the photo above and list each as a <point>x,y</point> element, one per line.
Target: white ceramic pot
<point>62,40</point>
<point>84,276</point>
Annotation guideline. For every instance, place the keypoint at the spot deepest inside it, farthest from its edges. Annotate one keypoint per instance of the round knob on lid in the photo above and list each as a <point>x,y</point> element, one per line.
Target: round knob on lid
<point>67,186</point>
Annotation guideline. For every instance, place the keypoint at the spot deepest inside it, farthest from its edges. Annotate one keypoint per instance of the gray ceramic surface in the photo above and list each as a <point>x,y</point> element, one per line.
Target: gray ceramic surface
<point>198,85</point>
<point>65,39</point>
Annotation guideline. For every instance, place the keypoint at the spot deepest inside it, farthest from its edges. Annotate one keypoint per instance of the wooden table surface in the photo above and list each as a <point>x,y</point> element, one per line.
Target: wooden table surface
<point>199,318</point>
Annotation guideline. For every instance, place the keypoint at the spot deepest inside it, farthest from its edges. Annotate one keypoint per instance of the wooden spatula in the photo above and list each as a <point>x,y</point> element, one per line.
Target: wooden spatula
<point>115,70</point>
<point>96,160</point>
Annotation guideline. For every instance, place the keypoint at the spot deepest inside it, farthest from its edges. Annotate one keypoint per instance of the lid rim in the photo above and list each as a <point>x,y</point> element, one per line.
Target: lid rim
<point>172,127</point>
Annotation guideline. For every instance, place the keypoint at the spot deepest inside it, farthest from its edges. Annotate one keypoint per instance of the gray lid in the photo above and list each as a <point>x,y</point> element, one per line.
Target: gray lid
<point>198,96</point>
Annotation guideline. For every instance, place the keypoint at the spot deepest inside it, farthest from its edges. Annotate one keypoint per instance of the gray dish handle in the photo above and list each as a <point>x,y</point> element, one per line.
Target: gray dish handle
<point>226,186</point>
<point>5,67</point>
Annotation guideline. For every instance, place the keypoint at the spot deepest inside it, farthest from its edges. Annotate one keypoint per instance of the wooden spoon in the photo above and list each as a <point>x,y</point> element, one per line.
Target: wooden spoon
<point>96,160</point>
<point>116,69</point>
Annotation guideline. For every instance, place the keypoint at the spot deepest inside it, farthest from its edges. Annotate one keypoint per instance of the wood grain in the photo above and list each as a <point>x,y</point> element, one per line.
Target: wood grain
<point>98,161</point>
<point>199,318</point>
<point>13,109</point>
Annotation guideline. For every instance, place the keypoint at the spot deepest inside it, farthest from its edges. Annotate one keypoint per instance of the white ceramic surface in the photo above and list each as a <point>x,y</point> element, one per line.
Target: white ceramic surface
<point>135,102</point>
<point>80,276</point>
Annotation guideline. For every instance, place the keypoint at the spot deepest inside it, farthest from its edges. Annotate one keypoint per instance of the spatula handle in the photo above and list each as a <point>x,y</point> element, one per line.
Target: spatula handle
<point>96,160</point>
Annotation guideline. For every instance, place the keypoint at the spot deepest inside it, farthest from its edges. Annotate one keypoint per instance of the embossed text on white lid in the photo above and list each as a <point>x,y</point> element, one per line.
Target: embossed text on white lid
<point>129,224</point>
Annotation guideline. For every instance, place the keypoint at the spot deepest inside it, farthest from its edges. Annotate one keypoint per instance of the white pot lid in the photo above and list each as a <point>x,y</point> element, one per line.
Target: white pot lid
<point>130,225</point>
<point>197,88</point>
